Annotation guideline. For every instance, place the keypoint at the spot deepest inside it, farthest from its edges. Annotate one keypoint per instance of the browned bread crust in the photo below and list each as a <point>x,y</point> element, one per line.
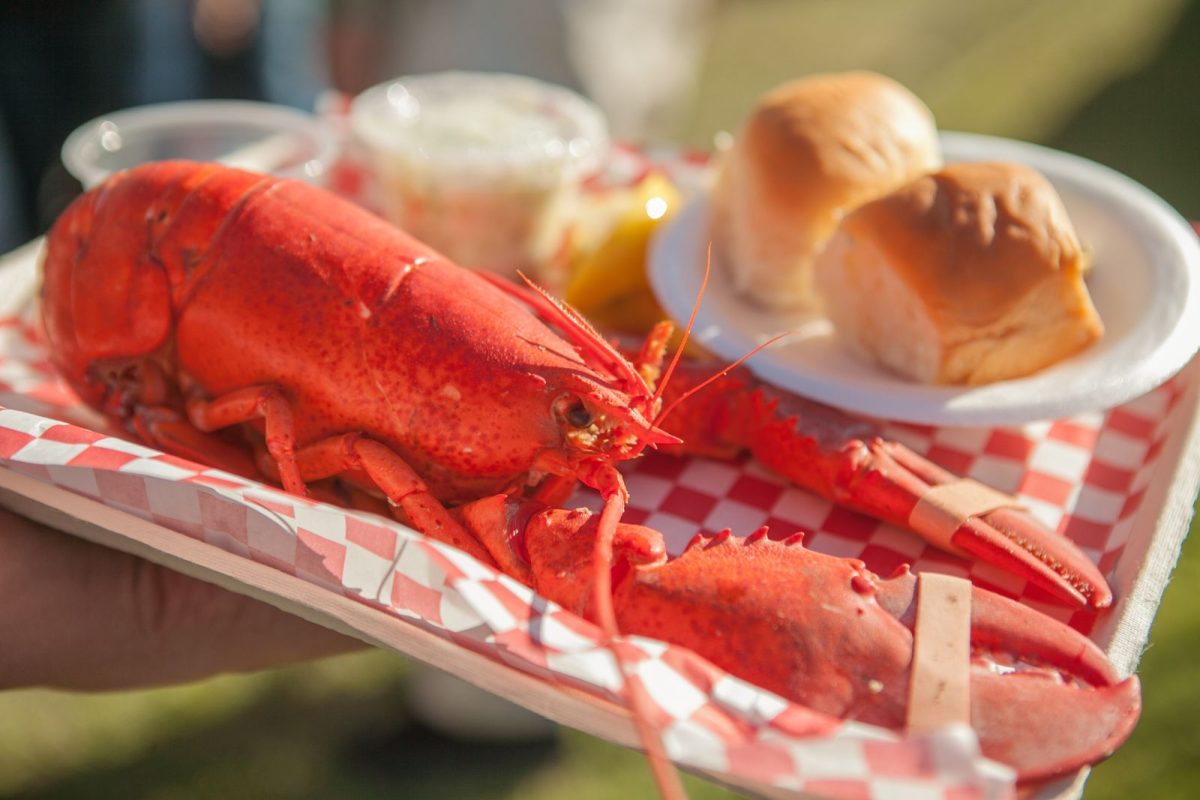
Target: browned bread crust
<point>812,150</point>
<point>970,275</point>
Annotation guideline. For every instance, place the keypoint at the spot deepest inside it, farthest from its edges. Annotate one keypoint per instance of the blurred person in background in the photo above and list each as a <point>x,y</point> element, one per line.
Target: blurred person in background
<point>64,62</point>
<point>373,40</point>
<point>61,62</point>
<point>638,60</point>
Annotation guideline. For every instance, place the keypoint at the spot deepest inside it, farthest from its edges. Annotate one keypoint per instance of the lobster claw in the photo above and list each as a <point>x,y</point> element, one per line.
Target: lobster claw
<point>888,481</point>
<point>829,634</point>
<point>845,460</point>
<point>1044,698</point>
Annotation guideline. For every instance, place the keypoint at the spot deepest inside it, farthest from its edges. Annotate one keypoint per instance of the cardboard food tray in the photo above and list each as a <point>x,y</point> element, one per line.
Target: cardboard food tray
<point>426,601</point>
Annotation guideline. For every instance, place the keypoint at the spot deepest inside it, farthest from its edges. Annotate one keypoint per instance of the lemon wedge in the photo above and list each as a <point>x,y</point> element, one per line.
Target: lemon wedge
<point>608,284</point>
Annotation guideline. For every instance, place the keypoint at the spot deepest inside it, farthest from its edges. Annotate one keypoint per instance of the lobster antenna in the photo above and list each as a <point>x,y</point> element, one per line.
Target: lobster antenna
<point>666,778</point>
<point>577,329</point>
<point>687,331</point>
<point>719,374</point>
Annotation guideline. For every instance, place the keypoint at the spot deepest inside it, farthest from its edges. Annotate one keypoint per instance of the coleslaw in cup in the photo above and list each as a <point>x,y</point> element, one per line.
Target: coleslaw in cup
<point>481,166</point>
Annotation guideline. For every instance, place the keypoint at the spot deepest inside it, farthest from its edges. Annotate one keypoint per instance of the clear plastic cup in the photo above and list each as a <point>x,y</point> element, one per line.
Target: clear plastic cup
<point>481,166</point>
<point>263,137</point>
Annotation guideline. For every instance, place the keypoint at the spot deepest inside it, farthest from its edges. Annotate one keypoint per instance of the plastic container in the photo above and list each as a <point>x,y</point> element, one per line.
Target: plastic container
<point>481,166</point>
<point>259,136</point>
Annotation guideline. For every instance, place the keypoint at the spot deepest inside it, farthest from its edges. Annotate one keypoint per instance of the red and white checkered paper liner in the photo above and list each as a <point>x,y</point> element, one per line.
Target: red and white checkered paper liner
<point>708,719</point>
<point>1085,477</point>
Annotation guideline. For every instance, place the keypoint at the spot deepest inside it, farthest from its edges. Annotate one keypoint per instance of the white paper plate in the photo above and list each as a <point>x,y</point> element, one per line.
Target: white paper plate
<point>1145,283</point>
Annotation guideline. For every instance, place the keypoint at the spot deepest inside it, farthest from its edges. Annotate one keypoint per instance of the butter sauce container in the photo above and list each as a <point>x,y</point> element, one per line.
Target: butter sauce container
<point>482,166</point>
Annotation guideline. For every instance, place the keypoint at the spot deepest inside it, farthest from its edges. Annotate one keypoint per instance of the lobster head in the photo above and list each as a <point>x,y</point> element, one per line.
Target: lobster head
<point>604,407</point>
<point>600,425</point>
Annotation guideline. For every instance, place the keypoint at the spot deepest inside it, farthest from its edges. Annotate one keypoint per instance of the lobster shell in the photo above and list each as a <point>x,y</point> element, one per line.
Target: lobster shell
<point>221,279</point>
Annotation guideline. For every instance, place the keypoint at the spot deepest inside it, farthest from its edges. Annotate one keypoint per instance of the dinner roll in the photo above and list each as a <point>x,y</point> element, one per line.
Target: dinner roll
<point>812,150</point>
<point>966,276</point>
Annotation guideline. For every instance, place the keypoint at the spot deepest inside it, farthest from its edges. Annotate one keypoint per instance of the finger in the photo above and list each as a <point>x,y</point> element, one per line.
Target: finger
<point>79,616</point>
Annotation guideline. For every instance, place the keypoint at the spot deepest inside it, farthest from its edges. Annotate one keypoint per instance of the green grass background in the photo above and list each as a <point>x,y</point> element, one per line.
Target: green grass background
<point>1114,80</point>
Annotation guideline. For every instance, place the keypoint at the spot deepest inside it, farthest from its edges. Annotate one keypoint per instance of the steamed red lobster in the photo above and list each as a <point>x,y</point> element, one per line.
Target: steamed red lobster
<point>266,325</point>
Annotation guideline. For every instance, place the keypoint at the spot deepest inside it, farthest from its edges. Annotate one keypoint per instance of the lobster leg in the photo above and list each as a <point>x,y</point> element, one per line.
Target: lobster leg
<point>395,478</point>
<point>846,460</point>
<point>254,402</point>
<point>164,428</point>
<point>332,456</point>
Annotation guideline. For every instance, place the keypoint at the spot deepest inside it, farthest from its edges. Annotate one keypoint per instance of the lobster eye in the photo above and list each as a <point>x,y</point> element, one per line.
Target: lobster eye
<point>579,416</point>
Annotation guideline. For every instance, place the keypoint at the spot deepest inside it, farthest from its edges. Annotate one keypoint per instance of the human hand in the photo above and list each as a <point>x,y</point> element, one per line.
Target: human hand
<point>75,615</point>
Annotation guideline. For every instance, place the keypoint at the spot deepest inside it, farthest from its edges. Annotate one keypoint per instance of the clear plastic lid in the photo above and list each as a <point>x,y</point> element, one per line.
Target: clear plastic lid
<point>259,136</point>
<point>483,126</point>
